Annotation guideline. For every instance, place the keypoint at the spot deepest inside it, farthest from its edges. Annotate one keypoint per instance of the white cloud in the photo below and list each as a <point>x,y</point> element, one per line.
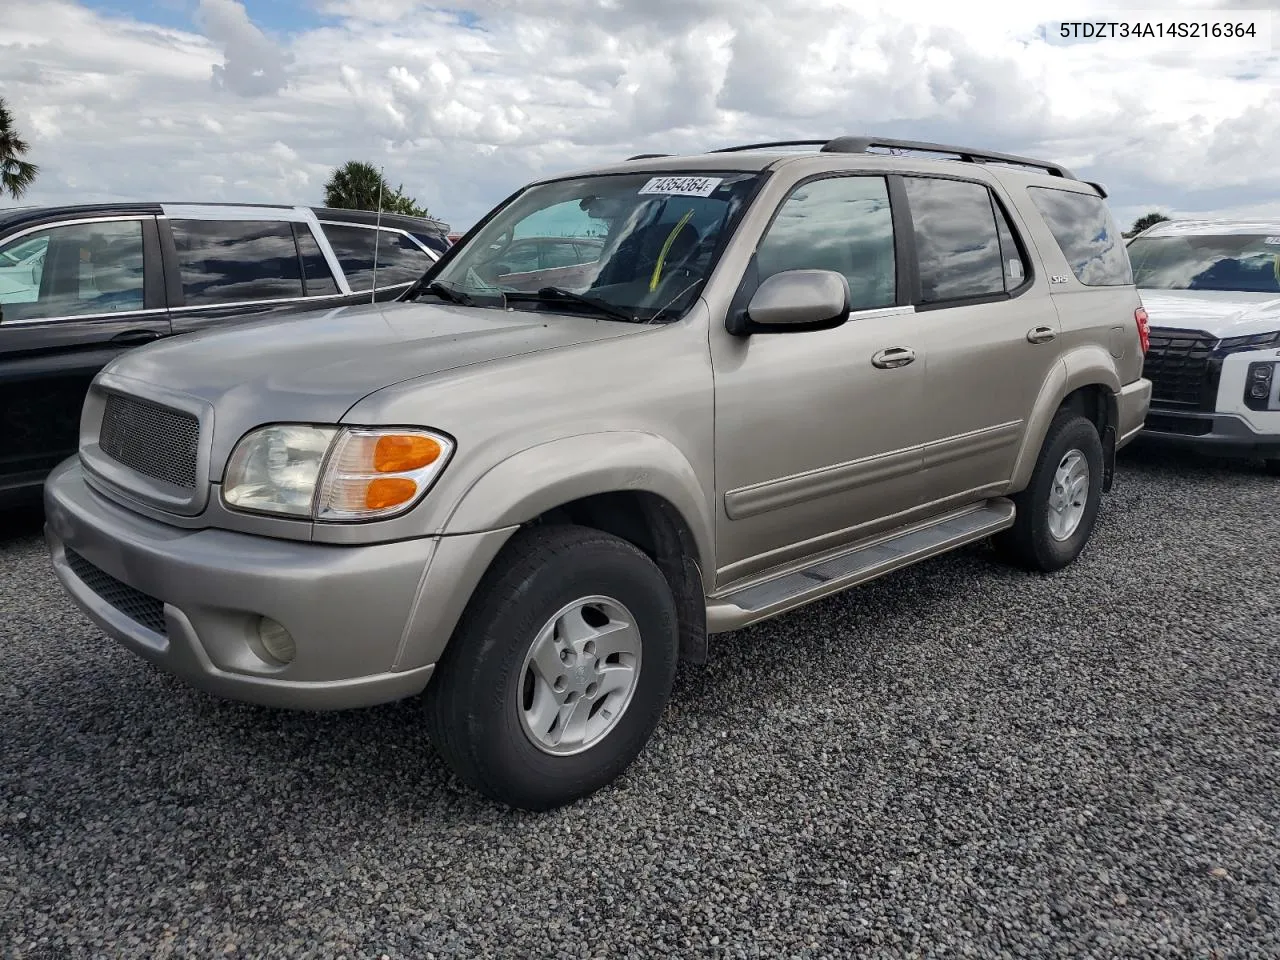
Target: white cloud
<point>254,65</point>
<point>463,105</point>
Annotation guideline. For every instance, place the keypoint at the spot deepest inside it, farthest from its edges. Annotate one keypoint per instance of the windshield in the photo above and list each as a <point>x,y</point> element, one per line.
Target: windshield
<point>631,247</point>
<point>1241,263</point>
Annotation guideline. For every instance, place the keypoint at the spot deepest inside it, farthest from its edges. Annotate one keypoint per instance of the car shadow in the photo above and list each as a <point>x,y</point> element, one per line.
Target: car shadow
<point>17,523</point>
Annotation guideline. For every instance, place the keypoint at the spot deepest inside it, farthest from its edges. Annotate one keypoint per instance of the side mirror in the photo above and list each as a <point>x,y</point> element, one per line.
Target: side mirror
<point>799,300</point>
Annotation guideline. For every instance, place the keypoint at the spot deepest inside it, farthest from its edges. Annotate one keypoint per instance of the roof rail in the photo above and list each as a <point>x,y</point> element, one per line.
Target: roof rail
<point>770,143</point>
<point>648,156</point>
<point>968,155</point>
<point>864,145</point>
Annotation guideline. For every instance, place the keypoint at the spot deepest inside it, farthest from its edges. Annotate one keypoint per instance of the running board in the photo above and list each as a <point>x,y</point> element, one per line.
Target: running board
<point>795,588</point>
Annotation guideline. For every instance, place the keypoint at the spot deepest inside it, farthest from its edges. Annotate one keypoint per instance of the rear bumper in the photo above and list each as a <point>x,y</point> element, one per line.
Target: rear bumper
<point>1132,403</point>
<point>1217,434</point>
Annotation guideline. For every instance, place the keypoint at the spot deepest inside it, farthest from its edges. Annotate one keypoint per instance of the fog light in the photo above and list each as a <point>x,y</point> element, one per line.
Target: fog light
<point>276,640</point>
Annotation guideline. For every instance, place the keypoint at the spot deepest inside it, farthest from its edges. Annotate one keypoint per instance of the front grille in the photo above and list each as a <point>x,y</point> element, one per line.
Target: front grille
<point>154,440</point>
<point>1187,426</point>
<point>1178,364</point>
<point>134,604</point>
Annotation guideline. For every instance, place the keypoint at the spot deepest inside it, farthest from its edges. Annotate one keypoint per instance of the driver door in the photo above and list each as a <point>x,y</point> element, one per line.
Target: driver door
<point>818,442</point>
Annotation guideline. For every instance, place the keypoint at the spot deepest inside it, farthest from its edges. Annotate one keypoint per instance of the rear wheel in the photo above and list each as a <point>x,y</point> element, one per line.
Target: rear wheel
<point>1058,510</point>
<point>559,670</point>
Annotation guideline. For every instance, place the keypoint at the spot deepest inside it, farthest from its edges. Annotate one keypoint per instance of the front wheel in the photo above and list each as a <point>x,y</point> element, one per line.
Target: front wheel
<point>1057,511</point>
<point>559,670</point>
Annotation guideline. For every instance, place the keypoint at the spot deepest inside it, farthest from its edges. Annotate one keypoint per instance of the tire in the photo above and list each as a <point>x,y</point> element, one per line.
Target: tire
<point>1273,468</point>
<point>1031,542</point>
<point>487,702</point>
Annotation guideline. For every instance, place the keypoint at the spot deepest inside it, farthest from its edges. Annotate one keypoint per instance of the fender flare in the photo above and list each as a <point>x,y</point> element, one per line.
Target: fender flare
<point>547,475</point>
<point>1086,366</point>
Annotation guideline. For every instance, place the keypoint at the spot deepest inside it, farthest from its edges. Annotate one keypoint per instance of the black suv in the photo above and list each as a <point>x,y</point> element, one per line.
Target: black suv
<point>80,284</point>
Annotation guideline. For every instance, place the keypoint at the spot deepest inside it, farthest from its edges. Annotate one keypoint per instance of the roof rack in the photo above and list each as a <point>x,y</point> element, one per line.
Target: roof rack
<point>771,143</point>
<point>864,145</point>
<point>648,156</point>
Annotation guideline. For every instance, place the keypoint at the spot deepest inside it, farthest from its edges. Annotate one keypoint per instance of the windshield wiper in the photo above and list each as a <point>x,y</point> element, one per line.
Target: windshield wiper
<point>561,295</point>
<point>446,292</point>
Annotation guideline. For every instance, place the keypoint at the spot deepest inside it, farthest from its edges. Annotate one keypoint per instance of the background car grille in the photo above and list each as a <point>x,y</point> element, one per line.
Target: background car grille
<point>1178,366</point>
<point>134,604</point>
<point>154,440</point>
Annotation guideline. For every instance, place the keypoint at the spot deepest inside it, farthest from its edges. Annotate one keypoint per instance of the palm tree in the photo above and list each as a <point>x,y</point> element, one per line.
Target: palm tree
<point>1147,220</point>
<point>355,186</point>
<point>16,174</point>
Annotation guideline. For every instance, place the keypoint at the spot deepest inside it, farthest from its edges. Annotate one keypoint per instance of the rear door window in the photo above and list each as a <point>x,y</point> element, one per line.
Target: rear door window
<point>399,259</point>
<point>236,261</point>
<point>1086,234</point>
<point>75,270</point>
<point>316,275</point>
<point>957,243</point>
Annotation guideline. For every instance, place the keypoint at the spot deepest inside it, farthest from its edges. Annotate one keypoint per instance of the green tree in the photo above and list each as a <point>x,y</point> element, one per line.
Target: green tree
<point>1146,220</point>
<point>16,174</point>
<point>356,185</point>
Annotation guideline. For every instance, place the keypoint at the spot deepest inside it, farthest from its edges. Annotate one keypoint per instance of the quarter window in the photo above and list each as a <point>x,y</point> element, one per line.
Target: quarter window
<point>399,259</point>
<point>75,270</point>
<point>1086,234</point>
<point>957,244</point>
<point>233,261</point>
<point>843,224</point>
<point>315,269</point>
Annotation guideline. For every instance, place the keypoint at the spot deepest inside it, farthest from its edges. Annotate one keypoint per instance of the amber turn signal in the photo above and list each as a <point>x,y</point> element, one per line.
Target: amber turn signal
<point>398,453</point>
<point>384,492</point>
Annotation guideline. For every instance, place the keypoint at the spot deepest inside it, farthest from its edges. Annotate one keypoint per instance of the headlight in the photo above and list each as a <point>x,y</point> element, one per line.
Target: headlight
<point>275,469</point>
<point>334,473</point>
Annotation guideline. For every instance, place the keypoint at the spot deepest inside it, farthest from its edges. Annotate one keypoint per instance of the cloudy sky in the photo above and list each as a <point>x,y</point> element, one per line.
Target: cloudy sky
<point>258,100</point>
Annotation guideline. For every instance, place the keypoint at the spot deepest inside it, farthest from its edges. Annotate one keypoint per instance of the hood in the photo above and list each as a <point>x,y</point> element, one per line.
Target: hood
<point>312,367</point>
<point>1220,313</point>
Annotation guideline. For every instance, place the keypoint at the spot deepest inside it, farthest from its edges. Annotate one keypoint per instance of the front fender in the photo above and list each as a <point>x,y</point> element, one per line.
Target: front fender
<point>559,471</point>
<point>1082,367</point>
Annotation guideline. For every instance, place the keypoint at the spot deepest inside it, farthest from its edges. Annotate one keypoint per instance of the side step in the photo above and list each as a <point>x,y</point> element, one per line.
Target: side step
<point>795,588</point>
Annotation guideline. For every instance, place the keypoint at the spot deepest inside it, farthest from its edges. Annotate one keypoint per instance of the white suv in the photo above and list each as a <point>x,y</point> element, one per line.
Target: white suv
<point>1211,289</point>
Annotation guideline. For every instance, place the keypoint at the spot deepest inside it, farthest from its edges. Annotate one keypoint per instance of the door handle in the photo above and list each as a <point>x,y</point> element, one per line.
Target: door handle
<point>135,336</point>
<point>893,357</point>
<point>1041,334</point>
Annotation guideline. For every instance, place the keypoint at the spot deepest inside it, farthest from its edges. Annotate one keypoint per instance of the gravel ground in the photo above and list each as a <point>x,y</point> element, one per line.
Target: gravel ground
<point>959,760</point>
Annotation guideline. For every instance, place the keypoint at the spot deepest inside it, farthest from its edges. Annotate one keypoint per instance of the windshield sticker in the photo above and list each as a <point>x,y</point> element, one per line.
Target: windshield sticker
<point>682,186</point>
<point>1015,269</point>
<point>1272,240</point>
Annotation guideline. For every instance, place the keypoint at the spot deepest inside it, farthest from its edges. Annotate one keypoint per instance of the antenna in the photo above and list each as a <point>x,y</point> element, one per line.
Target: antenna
<point>377,238</point>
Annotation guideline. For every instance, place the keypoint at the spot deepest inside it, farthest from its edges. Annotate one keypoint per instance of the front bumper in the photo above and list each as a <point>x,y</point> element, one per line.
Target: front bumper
<point>368,622</point>
<point>1217,434</point>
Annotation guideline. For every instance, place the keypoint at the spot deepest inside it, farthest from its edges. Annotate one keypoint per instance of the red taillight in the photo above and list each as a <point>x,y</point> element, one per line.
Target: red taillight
<point>1144,328</point>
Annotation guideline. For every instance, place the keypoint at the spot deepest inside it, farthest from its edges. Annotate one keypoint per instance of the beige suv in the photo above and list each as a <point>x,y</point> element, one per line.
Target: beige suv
<point>757,377</point>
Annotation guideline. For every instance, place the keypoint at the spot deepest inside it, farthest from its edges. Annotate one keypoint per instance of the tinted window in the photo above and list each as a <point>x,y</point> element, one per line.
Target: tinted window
<point>75,270</point>
<point>315,269</point>
<point>399,259</point>
<point>1088,237</point>
<point>842,224</point>
<point>956,240</point>
<point>1015,264</point>
<point>559,253</point>
<point>1244,263</point>
<point>521,257</point>
<point>231,261</point>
